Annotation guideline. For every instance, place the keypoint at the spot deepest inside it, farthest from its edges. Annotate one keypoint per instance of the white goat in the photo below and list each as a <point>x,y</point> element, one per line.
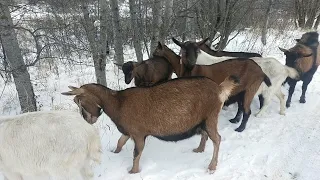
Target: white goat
<point>276,72</point>
<point>58,143</point>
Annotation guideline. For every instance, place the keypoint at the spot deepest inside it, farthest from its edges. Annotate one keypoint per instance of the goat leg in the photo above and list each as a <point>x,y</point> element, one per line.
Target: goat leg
<point>138,148</point>
<point>292,83</point>
<point>212,130</point>
<point>305,84</point>
<point>121,142</point>
<point>237,118</point>
<point>202,145</point>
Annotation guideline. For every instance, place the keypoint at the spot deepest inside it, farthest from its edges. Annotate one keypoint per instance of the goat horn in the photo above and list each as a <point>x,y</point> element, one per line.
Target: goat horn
<point>176,42</point>
<point>202,41</point>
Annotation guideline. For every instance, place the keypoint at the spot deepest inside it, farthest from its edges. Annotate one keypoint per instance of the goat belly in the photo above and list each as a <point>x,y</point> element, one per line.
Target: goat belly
<point>181,136</point>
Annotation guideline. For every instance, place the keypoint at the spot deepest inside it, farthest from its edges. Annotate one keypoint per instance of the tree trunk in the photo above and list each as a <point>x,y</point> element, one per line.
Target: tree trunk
<point>265,24</point>
<point>136,32</point>
<point>117,32</point>
<point>316,24</point>
<point>156,9</point>
<point>100,66</point>
<point>99,61</point>
<point>165,25</point>
<point>19,70</point>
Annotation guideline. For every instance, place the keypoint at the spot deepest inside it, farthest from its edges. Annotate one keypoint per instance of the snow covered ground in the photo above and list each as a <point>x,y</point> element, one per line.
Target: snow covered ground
<point>273,147</point>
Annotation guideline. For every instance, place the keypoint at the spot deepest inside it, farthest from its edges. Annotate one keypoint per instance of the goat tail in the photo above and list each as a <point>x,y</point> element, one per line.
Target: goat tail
<point>95,149</point>
<point>292,73</point>
<point>267,80</point>
<point>227,86</point>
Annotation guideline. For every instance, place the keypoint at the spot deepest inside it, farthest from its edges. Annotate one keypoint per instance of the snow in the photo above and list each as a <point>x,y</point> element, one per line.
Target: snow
<point>272,147</point>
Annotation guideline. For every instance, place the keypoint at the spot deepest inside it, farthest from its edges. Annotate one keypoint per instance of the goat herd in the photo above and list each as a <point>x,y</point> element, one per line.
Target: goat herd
<point>61,144</point>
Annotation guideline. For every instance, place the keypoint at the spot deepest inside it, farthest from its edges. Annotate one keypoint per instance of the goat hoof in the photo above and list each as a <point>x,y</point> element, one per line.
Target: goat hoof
<point>197,150</point>
<point>133,171</point>
<point>302,101</point>
<point>287,105</point>
<point>211,170</point>
<point>117,151</point>
<point>234,120</point>
<point>239,129</point>
<point>282,113</point>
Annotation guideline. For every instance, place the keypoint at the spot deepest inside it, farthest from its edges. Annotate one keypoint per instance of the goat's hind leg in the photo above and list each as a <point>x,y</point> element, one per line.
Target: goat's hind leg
<point>238,116</point>
<point>280,96</point>
<point>212,131</point>
<point>202,145</point>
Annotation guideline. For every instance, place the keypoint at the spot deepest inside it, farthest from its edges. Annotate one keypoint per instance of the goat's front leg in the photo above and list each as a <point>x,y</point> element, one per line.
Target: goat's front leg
<point>238,116</point>
<point>305,84</point>
<point>138,148</point>
<point>121,142</point>
<point>261,100</point>
<point>292,83</point>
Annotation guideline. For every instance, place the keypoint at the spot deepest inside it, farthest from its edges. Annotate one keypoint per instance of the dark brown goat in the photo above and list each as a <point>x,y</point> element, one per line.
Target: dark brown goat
<point>169,111</point>
<point>304,57</point>
<point>218,72</point>
<point>148,72</point>
<point>212,52</point>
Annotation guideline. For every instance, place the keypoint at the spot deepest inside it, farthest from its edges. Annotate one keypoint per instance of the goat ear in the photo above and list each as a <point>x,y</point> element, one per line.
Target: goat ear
<point>75,91</point>
<point>283,50</point>
<point>177,42</point>
<point>159,45</point>
<point>203,41</point>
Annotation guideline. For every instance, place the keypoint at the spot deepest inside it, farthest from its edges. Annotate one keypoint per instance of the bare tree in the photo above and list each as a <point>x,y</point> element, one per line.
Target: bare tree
<point>135,26</point>
<point>17,65</point>
<point>98,47</point>
<point>265,24</point>
<point>117,32</point>
<point>166,20</point>
<point>307,12</point>
<point>156,9</point>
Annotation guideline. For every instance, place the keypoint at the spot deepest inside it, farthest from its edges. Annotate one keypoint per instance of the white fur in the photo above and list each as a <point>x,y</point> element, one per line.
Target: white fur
<point>276,72</point>
<point>58,143</point>
<point>206,59</point>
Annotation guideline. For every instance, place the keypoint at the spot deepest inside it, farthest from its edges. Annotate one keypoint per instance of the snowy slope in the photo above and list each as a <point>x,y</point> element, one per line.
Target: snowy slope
<point>272,147</point>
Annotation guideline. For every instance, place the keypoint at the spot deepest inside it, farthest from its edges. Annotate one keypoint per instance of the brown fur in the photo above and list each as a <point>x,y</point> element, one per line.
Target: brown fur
<point>304,57</point>
<point>304,64</point>
<point>170,111</point>
<point>244,69</point>
<point>148,72</point>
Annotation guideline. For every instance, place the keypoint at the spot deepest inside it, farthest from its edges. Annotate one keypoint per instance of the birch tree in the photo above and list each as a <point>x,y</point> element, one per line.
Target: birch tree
<point>117,32</point>
<point>98,46</point>
<point>156,9</point>
<point>135,27</point>
<point>15,60</point>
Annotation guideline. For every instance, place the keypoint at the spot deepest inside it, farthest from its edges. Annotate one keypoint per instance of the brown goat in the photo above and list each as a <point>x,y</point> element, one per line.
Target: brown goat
<point>148,72</point>
<point>169,111</point>
<point>304,57</point>
<point>250,73</point>
<point>212,52</point>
